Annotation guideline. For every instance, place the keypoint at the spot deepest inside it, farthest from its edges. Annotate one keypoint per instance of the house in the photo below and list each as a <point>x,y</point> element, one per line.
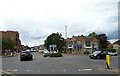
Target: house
<point>109,44</point>
<point>82,44</point>
<point>116,45</point>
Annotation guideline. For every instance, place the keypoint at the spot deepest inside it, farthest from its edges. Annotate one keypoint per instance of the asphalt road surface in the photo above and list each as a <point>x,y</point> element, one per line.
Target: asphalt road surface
<point>68,64</point>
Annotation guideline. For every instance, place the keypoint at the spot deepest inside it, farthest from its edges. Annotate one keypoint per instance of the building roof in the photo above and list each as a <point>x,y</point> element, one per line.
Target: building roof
<point>113,40</point>
<point>117,42</point>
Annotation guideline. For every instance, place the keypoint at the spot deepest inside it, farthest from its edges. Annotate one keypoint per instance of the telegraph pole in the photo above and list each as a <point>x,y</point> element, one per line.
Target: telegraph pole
<point>65,38</point>
<point>65,32</point>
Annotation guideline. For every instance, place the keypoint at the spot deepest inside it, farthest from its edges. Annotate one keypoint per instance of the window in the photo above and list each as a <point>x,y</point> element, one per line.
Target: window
<point>16,39</point>
<point>74,44</point>
<point>88,43</point>
<point>79,42</point>
<point>16,35</point>
<point>70,44</point>
<point>95,44</point>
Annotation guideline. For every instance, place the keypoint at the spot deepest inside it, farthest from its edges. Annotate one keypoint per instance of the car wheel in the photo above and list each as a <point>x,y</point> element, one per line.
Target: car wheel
<point>98,57</point>
<point>21,59</point>
<point>92,57</point>
<point>30,58</point>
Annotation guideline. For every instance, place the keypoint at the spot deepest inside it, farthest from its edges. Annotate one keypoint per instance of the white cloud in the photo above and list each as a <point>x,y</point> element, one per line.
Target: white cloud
<point>42,17</point>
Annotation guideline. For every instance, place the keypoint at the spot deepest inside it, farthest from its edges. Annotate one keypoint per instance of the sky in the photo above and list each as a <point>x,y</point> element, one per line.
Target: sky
<point>37,19</point>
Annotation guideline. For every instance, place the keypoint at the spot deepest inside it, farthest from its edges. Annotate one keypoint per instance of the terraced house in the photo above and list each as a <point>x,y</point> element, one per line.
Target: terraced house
<point>82,44</point>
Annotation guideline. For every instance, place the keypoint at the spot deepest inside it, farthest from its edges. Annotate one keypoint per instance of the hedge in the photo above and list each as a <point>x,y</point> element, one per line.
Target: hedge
<point>53,55</point>
<point>109,49</point>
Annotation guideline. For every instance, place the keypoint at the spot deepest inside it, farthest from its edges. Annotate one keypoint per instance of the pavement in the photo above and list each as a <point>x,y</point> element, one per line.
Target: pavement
<point>5,73</point>
<point>9,55</point>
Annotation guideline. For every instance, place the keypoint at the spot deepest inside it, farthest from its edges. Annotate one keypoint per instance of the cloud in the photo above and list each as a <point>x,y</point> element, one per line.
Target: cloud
<point>36,18</point>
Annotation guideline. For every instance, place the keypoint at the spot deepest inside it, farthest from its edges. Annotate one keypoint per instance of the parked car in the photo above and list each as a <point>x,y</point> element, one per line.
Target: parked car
<point>98,55</point>
<point>45,51</point>
<point>33,50</point>
<point>112,53</point>
<point>26,55</point>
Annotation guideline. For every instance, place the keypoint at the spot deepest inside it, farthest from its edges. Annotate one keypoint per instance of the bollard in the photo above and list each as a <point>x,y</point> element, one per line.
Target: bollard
<point>108,61</point>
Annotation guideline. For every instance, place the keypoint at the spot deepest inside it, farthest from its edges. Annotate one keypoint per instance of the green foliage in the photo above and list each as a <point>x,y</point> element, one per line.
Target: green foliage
<point>109,49</point>
<point>53,55</point>
<point>102,41</point>
<point>93,34</point>
<point>56,39</point>
<point>7,43</point>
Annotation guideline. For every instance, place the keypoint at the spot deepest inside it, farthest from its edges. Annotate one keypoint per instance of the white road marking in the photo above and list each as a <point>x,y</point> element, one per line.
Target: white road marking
<point>84,69</point>
<point>38,70</point>
<point>27,70</point>
<point>64,70</point>
<point>12,70</point>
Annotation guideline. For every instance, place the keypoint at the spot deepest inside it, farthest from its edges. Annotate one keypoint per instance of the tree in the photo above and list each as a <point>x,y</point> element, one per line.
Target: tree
<point>7,43</point>
<point>102,41</point>
<point>93,34</point>
<point>55,39</point>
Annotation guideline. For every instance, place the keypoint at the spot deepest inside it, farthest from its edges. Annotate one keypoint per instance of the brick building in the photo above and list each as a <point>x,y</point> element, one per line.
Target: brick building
<point>13,35</point>
<point>82,44</point>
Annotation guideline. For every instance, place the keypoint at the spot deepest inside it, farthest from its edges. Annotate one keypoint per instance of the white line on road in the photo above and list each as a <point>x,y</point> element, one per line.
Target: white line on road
<point>64,70</point>
<point>12,70</point>
<point>38,70</point>
<point>84,69</point>
<point>27,70</point>
<point>79,70</point>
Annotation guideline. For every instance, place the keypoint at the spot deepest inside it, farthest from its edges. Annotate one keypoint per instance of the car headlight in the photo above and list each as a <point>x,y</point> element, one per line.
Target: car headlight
<point>95,54</point>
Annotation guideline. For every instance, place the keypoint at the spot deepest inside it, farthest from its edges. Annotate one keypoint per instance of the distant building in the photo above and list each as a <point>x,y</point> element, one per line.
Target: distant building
<point>41,47</point>
<point>13,35</point>
<point>35,47</point>
<point>82,44</point>
<point>116,45</point>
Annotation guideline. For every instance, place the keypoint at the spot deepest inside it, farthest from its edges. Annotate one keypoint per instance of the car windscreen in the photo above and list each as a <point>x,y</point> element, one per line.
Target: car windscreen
<point>96,52</point>
<point>25,52</point>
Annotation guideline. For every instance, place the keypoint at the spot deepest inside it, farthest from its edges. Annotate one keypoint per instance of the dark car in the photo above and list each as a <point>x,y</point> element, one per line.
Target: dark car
<point>98,55</point>
<point>112,53</point>
<point>26,55</point>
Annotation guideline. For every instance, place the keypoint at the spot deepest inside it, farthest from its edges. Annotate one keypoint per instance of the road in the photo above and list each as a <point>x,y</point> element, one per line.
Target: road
<point>69,64</point>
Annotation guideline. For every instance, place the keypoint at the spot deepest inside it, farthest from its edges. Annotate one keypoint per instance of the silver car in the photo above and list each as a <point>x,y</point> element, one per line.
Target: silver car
<point>26,55</point>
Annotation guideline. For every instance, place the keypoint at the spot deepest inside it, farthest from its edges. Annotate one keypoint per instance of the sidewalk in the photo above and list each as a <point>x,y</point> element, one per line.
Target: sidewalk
<point>113,69</point>
<point>9,55</point>
<point>5,73</point>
